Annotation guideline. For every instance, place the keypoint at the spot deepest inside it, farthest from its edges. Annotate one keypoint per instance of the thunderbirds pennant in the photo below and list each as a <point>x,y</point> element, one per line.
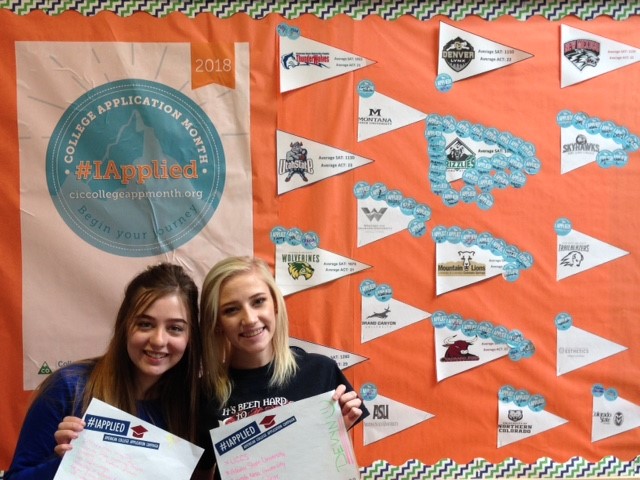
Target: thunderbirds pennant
<point>304,62</point>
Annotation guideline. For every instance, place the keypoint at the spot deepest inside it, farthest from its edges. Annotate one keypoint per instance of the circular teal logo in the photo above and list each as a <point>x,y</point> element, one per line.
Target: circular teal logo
<point>135,168</point>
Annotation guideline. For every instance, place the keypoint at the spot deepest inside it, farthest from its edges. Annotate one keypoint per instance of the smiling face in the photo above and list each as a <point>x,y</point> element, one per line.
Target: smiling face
<point>247,317</point>
<point>157,340</point>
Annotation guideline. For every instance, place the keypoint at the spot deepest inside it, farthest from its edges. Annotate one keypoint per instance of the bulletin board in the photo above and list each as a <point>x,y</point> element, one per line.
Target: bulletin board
<point>446,194</point>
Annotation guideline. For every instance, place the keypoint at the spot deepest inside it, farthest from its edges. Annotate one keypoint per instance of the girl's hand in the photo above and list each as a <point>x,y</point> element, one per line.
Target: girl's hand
<point>349,405</point>
<point>68,430</point>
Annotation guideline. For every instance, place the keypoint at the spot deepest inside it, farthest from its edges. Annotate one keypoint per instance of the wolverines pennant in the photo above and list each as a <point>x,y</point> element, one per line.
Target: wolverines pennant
<point>302,162</point>
<point>584,55</point>
<point>464,55</point>
<point>299,269</point>
<point>304,62</point>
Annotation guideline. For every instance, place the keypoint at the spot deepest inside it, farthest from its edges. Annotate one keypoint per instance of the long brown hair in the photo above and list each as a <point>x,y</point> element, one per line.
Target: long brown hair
<point>112,380</point>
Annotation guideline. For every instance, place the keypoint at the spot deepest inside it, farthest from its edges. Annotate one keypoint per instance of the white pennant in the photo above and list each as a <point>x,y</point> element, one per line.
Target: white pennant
<point>579,148</point>
<point>304,62</point>
<point>456,352</point>
<point>298,269</point>
<point>577,252</point>
<point>343,358</point>
<point>517,423</point>
<point>377,220</point>
<point>389,417</point>
<point>458,266</point>
<point>463,54</point>
<point>302,162</point>
<point>613,417</point>
<point>577,348</point>
<point>380,114</point>
<point>381,318</point>
<point>584,55</point>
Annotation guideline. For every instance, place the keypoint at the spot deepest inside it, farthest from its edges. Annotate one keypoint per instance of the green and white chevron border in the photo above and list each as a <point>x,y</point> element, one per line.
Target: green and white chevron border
<point>546,468</point>
<point>356,9</point>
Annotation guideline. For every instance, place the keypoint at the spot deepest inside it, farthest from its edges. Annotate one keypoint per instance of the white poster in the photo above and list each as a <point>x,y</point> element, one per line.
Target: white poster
<point>123,164</point>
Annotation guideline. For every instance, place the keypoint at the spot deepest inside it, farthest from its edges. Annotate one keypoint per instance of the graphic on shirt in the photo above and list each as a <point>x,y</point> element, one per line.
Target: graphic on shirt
<point>585,55</point>
<point>464,54</point>
<point>523,415</point>
<point>233,413</point>
<point>586,139</point>
<point>379,114</point>
<point>613,415</point>
<point>578,252</point>
<point>300,263</point>
<point>382,212</point>
<point>577,348</point>
<point>302,162</point>
<point>304,61</point>
<point>388,417</point>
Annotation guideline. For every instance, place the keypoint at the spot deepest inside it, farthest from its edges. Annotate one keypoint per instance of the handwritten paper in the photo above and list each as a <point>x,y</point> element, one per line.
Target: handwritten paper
<point>118,446</point>
<point>305,439</point>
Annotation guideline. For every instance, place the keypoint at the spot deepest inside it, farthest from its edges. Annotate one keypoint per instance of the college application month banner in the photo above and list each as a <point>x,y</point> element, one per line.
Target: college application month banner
<point>129,156</point>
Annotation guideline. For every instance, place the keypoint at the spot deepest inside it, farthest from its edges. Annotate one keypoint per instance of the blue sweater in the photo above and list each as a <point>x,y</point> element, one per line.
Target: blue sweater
<point>34,458</point>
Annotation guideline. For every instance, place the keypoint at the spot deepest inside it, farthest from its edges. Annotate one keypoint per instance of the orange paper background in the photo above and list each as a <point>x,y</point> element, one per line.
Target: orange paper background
<point>524,99</point>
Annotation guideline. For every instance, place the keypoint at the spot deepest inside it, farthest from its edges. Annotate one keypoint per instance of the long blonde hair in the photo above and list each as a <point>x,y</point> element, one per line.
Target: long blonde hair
<point>217,349</point>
